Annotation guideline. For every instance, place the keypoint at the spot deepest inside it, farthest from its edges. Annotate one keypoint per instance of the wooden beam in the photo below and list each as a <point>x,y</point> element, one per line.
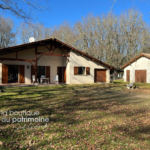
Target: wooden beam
<point>29,46</point>
<point>47,47</point>
<point>63,55</point>
<point>31,63</point>
<point>14,50</point>
<point>66,58</point>
<point>69,54</point>
<point>16,55</point>
<point>14,59</point>
<point>39,57</point>
<point>51,51</point>
<point>42,43</point>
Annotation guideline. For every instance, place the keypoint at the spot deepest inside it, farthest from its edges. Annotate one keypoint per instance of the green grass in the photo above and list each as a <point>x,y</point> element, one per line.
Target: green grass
<point>90,116</point>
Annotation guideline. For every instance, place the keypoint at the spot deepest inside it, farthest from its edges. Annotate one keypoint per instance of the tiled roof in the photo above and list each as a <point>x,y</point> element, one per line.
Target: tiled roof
<point>9,49</point>
<point>147,55</point>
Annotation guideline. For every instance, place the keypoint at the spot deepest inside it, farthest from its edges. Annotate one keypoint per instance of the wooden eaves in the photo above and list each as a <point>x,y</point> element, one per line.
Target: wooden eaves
<point>52,41</point>
<point>136,58</point>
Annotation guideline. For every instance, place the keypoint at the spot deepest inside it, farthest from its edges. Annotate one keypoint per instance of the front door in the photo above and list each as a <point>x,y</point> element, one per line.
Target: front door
<point>61,72</point>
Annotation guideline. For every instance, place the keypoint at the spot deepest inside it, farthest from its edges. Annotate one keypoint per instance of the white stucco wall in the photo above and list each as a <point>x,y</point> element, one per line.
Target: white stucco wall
<point>45,60</point>
<point>142,63</point>
<point>56,61</point>
<point>81,61</point>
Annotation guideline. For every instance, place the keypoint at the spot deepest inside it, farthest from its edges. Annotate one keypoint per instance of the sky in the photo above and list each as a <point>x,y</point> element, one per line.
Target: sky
<point>74,10</point>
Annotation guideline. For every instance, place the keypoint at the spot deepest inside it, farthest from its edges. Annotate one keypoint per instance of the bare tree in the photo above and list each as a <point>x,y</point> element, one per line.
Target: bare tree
<point>25,9</point>
<point>36,30</point>
<point>65,33</point>
<point>112,39</point>
<point>7,35</point>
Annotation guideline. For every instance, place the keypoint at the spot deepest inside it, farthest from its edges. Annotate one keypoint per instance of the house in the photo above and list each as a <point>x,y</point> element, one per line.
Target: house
<point>138,69</point>
<point>50,57</point>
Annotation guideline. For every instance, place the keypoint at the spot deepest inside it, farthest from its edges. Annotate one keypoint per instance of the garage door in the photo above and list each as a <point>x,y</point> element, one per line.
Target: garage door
<point>140,76</point>
<point>128,75</point>
<point>100,75</point>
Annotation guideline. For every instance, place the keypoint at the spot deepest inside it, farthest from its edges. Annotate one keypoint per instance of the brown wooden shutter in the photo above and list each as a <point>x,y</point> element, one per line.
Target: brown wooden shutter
<point>127,75</point>
<point>64,74</point>
<point>75,70</point>
<point>4,74</point>
<point>22,74</point>
<point>32,72</point>
<point>48,72</point>
<point>87,70</point>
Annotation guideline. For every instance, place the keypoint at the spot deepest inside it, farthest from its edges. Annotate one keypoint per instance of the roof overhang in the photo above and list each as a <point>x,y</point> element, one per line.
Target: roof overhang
<point>54,41</point>
<point>136,58</point>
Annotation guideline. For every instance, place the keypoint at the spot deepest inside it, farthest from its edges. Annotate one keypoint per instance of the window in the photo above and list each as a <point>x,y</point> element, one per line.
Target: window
<point>41,71</point>
<point>81,70</point>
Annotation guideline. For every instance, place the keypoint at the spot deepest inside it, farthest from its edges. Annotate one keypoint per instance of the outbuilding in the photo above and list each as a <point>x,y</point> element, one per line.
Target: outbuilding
<point>138,69</point>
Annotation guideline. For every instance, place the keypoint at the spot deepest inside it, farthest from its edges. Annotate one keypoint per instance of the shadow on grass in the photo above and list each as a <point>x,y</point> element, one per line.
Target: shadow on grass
<point>62,105</point>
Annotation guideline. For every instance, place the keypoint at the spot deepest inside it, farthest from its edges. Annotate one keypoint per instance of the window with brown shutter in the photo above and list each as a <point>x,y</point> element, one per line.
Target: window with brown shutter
<point>75,70</point>
<point>87,70</point>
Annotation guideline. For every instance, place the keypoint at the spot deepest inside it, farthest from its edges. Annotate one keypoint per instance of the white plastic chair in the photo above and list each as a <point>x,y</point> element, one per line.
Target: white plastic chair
<point>56,79</point>
<point>129,85</point>
<point>33,78</point>
<point>42,76</point>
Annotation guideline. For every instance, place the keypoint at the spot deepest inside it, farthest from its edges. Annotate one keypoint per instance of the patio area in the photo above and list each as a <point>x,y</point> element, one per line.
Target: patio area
<point>28,85</point>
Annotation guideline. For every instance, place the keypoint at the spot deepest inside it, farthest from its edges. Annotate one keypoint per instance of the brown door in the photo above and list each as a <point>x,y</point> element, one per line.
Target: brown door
<point>32,72</point>
<point>4,74</point>
<point>100,75</point>
<point>140,76</point>
<point>61,72</point>
<point>22,75</point>
<point>48,72</point>
<point>64,74</point>
<point>128,76</point>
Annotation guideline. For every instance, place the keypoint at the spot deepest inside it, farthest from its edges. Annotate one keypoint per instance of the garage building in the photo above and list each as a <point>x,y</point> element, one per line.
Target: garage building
<point>138,69</point>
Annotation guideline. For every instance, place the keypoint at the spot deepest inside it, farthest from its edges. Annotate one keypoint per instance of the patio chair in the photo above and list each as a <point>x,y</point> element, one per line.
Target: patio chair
<point>56,79</point>
<point>33,78</point>
<point>42,76</point>
<point>129,86</point>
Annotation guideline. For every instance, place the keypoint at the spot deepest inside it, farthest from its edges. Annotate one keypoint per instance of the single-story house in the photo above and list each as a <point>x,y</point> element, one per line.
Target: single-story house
<point>50,57</point>
<point>138,69</point>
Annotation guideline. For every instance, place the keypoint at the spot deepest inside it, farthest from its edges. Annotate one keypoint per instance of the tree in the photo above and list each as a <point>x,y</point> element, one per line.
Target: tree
<point>36,30</point>
<point>24,9</point>
<point>114,40</point>
<point>7,35</point>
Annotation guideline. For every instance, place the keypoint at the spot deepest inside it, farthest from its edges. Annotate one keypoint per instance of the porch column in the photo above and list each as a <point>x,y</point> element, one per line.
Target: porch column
<point>36,64</point>
<point>0,73</point>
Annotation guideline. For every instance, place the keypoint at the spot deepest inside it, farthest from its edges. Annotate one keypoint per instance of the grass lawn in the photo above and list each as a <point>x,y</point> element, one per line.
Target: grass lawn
<point>90,116</point>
